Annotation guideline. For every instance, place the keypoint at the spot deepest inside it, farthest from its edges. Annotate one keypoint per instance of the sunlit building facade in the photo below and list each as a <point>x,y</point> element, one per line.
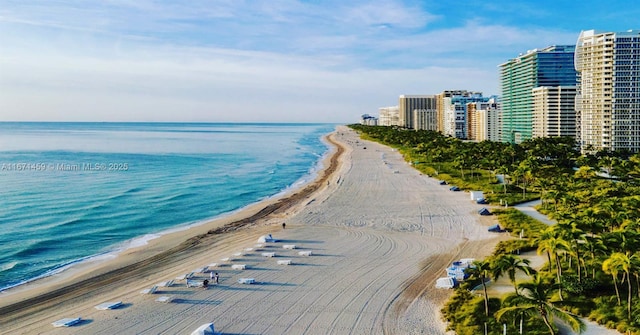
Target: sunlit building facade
<point>554,111</point>
<point>608,95</point>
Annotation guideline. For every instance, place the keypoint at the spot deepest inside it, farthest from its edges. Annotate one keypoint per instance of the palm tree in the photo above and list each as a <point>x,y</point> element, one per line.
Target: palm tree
<point>536,299</point>
<point>612,267</point>
<point>620,262</point>
<point>509,264</point>
<point>553,244</point>
<point>480,270</point>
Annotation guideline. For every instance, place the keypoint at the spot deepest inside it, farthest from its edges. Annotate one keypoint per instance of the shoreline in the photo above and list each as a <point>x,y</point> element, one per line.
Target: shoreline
<point>83,274</point>
<point>381,234</point>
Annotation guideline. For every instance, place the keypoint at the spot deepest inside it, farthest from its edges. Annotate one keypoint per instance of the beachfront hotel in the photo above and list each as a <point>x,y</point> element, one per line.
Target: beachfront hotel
<point>440,105</point>
<point>608,94</point>
<point>426,118</point>
<point>456,123</point>
<point>554,111</point>
<point>551,66</point>
<point>484,120</point>
<point>407,104</point>
<point>389,116</point>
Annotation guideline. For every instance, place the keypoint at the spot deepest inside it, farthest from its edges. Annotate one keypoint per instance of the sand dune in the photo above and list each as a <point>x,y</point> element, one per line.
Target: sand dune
<point>379,232</point>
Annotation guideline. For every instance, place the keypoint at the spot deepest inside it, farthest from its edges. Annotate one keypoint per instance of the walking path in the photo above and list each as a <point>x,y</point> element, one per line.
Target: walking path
<point>592,327</point>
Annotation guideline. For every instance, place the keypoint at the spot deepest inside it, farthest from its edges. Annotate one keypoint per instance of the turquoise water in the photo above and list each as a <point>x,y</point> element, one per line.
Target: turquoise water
<point>74,191</point>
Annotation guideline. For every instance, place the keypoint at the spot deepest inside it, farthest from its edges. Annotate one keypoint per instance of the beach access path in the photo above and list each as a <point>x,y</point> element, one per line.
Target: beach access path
<point>380,234</point>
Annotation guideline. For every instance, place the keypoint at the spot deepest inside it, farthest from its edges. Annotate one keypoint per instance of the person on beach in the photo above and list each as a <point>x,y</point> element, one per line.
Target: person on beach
<point>216,277</point>
<point>284,225</point>
<point>205,284</point>
<point>211,275</point>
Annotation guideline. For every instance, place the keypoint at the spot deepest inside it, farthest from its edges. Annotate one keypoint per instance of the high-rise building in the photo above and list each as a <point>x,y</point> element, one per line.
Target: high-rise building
<point>554,111</point>
<point>440,104</point>
<point>551,66</point>
<point>368,120</point>
<point>608,97</point>
<point>484,120</point>
<point>389,116</point>
<point>455,114</point>
<point>425,119</point>
<point>409,103</point>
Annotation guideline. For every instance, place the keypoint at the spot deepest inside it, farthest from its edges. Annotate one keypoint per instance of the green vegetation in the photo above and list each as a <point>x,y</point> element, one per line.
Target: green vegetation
<point>592,253</point>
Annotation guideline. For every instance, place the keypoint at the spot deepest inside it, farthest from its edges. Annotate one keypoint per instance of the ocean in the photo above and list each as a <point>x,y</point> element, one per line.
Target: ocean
<point>74,192</point>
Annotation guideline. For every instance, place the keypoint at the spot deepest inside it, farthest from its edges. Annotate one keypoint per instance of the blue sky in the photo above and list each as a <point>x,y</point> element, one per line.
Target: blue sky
<point>267,61</point>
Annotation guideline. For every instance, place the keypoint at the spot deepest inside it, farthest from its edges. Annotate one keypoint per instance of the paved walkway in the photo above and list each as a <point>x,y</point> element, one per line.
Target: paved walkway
<point>529,209</point>
<point>592,327</point>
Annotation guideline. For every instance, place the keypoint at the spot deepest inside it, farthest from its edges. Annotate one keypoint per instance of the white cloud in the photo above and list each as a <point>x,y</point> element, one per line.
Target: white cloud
<point>281,60</point>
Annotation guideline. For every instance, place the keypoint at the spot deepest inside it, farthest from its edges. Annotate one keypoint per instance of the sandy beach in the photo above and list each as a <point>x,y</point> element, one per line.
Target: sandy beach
<point>379,233</point>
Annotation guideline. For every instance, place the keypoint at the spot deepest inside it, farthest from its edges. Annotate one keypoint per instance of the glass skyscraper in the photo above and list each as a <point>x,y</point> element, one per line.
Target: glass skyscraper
<point>551,66</point>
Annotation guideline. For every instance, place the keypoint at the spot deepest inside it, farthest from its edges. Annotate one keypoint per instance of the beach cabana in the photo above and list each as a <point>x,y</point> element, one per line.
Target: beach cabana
<point>66,322</point>
<point>446,282</point>
<point>475,195</point>
<point>457,270</point>
<point>205,329</point>
<point>266,238</point>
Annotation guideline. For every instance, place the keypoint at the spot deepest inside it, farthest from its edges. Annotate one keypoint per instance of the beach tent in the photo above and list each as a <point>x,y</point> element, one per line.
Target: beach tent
<point>266,238</point>
<point>205,329</point>
<point>446,282</point>
<point>484,211</point>
<point>495,228</point>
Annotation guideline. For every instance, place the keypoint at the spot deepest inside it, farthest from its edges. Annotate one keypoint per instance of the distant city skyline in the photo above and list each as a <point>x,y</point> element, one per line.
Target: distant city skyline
<point>259,61</point>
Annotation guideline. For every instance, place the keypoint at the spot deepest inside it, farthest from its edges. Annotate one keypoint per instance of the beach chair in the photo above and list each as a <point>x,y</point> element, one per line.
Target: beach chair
<point>66,322</point>
<point>246,281</point>
<point>164,299</point>
<point>185,276</point>
<point>284,262</point>
<point>239,266</point>
<point>269,254</point>
<point>305,253</point>
<point>151,290</point>
<point>109,305</point>
<point>167,283</point>
<point>289,246</point>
